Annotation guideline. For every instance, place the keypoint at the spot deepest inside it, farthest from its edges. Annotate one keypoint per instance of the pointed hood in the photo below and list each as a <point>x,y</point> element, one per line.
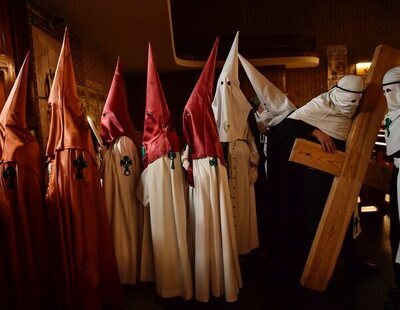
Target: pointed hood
<point>199,127</point>
<point>68,124</point>
<point>159,136</point>
<point>231,66</point>
<point>230,106</point>
<point>14,133</point>
<point>270,96</point>
<point>115,120</point>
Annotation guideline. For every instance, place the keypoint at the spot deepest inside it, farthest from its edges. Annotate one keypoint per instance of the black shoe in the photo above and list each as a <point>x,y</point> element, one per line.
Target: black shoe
<point>357,270</point>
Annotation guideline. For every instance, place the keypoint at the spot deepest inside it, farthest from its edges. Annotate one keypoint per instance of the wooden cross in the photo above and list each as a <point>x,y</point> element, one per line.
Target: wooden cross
<point>349,169</point>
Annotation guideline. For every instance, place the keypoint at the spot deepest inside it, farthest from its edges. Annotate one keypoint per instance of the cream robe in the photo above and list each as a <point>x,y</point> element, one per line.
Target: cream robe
<point>122,206</point>
<point>241,154</point>
<point>211,223</point>
<point>161,189</point>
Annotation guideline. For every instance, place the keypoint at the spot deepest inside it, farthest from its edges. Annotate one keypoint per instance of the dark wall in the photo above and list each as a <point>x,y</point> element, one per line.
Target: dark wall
<point>359,24</point>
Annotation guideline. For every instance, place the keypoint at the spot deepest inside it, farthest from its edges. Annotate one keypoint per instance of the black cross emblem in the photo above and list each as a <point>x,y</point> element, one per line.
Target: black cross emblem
<point>388,121</point>
<point>9,174</point>
<point>126,162</point>
<point>80,164</point>
<point>172,156</point>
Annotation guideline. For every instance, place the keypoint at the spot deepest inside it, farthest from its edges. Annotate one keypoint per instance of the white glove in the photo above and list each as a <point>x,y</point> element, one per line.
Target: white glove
<point>185,158</point>
<point>262,120</point>
<point>265,116</point>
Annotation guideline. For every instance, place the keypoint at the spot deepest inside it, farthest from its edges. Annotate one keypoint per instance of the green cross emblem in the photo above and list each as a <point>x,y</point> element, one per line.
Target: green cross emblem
<point>143,151</point>
<point>172,156</point>
<point>388,122</point>
<point>213,161</point>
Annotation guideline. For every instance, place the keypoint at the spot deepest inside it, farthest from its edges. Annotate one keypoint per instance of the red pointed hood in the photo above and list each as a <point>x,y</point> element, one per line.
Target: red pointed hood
<point>115,120</point>
<point>68,124</point>
<point>199,127</point>
<point>159,136</point>
<point>14,133</point>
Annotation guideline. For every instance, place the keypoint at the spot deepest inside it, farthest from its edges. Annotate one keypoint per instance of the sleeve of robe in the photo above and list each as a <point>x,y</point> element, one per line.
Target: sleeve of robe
<point>142,190</point>
<point>290,129</point>
<point>251,134</point>
<point>254,157</point>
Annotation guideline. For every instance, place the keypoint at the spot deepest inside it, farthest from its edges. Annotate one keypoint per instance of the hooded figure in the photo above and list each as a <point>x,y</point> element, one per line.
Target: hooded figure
<point>231,112</point>
<point>84,265</point>
<point>120,166</point>
<point>332,112</point>
<point>300,192</point>
<point>23,229</point>
<point>276,104</point>
<point>161,190</point>
<point>391,89</point>
<point>216,264</point>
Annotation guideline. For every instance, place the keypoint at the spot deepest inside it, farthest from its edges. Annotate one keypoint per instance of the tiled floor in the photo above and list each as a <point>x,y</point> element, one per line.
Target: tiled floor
<point>261,291</point>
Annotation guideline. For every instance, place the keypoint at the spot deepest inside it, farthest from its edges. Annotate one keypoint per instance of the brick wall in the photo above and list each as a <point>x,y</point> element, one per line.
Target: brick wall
<point>93,73</point>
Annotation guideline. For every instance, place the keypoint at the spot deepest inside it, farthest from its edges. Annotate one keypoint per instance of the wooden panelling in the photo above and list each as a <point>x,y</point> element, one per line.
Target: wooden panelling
<point>359,24</point>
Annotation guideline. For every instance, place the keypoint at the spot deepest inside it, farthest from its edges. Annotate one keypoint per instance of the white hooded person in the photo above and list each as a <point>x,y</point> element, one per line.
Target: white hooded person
<point>301,191</point>
<point>162,190</point>
<point>391,90</point>
<point>231,112</point>
<point>216,261</point>
<point>274,107</point>
<point>121,169</point>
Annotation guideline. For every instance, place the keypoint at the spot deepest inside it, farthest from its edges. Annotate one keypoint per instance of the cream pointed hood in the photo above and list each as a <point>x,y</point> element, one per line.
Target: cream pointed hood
<point>230,106</point>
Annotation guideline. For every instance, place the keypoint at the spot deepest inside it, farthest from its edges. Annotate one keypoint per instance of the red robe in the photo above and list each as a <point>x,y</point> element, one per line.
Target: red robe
<point>23,234</point>
<point>84,266</point>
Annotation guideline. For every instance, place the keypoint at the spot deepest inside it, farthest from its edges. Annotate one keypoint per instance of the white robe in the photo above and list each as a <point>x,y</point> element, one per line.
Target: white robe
<point>122,206</point>
<point>216,263</point>
<point>241,154</point>
<point>161,189</point>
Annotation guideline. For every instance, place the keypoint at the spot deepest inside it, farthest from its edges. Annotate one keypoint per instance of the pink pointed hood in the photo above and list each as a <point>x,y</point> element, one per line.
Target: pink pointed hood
<point>159,136</point>
<point>115,120</point>
<point>199,127</point>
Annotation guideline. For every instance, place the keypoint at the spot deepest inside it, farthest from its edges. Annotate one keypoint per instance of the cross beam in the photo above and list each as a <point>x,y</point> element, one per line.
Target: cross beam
<point>347,184</point>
